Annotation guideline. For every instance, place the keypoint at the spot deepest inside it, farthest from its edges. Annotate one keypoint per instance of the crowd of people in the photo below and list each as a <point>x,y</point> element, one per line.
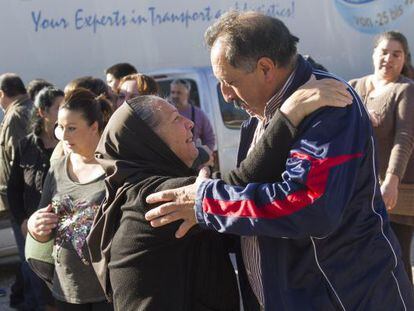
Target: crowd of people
<point>113,207</point>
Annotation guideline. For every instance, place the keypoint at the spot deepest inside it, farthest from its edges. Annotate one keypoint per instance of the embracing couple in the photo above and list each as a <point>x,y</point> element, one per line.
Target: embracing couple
<point>304,200</point>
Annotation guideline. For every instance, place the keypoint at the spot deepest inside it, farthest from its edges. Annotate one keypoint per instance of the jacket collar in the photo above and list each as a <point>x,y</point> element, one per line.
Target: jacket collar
<point>19,100</point>
<point>301,75</point>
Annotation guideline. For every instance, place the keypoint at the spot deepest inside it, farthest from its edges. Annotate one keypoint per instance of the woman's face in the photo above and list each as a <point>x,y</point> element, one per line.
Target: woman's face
<point>112,81</point>
<point>77,135</point>
<point>175,131</point>
<point>50,115</point>
<point>127,90</point>
<point>389,59</point>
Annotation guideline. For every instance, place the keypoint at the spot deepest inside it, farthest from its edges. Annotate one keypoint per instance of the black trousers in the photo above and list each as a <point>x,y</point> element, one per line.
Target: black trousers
<point>404,235</point>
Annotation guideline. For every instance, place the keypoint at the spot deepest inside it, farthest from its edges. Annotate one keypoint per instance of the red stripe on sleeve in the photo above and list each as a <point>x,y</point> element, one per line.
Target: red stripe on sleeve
<point>315,187</point>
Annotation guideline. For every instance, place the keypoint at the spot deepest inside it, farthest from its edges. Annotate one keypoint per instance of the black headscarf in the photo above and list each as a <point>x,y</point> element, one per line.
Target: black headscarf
<point>130,152</point>
<point>193,273</point>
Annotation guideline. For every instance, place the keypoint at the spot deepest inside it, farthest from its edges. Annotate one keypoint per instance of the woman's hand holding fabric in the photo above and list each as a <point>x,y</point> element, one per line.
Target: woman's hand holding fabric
<point>179,206</point>
<point>41,223</point>
<point>389,190</point>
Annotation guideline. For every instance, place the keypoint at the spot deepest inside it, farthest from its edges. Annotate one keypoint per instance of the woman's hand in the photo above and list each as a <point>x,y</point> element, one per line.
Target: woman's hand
<point>389,190</point>
<point>41,223</point>
<point>313,95</point>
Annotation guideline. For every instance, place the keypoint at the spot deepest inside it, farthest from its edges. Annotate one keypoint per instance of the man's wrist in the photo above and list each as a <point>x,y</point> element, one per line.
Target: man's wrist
<point>292,113</point>
<point>198,205</point>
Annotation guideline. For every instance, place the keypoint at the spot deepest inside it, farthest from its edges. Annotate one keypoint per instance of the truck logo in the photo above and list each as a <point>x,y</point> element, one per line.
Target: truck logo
<point>374,16</point>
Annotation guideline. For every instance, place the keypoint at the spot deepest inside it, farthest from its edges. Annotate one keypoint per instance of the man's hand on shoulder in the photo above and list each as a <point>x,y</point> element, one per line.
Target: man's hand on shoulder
<point>313,95</point>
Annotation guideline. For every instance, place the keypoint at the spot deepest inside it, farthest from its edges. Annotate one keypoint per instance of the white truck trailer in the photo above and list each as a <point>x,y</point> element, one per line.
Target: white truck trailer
<point>59,40</point>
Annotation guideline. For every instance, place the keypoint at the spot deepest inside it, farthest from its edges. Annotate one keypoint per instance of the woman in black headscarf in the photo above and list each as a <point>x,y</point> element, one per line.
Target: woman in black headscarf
<point>146,147</point>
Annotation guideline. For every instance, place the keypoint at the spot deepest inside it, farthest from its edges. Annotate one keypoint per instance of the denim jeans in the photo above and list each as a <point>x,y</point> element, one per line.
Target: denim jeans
<point>34,287</point>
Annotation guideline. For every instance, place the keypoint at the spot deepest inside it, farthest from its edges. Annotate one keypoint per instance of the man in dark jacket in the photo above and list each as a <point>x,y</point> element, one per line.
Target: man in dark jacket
<point>316,236</point>
<point>17,108</point>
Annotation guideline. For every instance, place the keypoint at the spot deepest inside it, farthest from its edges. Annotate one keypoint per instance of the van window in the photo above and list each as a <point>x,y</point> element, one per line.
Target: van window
<point>232,116</point>
<point>165,90</point>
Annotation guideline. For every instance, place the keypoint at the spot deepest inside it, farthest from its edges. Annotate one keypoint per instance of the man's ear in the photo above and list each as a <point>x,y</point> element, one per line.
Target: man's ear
<point>267,67</point>
<point>1,94</point>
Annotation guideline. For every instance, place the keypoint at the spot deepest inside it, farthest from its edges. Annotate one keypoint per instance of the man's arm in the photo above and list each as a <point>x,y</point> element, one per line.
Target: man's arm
<point>319,173</point>
<point>310,97</point>
<point>402,145</point>
<point>279,130</point>
<point>18,128</point>
<point>266,162</point>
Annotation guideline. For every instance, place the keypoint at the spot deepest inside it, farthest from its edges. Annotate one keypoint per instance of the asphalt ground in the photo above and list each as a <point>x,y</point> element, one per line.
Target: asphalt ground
<point>7,272</point>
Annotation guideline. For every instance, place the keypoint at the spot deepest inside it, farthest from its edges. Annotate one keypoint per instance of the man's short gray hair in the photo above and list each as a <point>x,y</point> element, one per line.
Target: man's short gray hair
<point>248,36</point>
<point>183,82</point>
<point>145,108</point>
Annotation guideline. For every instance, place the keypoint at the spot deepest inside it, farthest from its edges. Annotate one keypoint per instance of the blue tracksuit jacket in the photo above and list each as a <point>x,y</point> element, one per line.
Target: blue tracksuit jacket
<point>323,230</point>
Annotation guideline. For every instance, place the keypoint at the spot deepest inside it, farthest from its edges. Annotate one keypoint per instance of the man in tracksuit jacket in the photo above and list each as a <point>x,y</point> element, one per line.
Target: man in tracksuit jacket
<point>321,237</point>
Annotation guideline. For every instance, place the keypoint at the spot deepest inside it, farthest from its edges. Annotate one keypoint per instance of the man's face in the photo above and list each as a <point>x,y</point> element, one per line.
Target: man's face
<point>247,88</point>
<point>179,94</point>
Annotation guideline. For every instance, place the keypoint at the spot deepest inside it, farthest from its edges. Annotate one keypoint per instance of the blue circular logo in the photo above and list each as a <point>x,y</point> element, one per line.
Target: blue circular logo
<point>374,16</point>
<point>358,1</point>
